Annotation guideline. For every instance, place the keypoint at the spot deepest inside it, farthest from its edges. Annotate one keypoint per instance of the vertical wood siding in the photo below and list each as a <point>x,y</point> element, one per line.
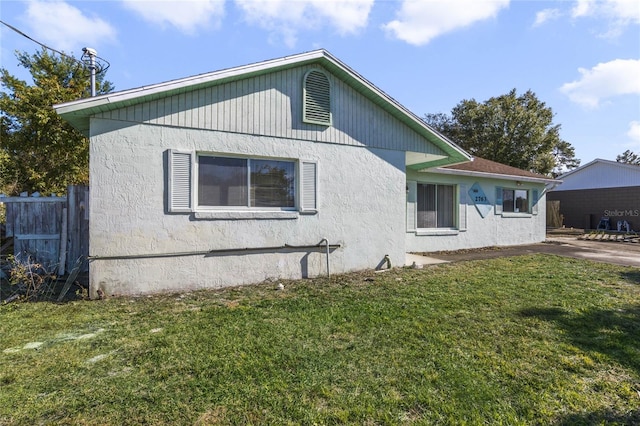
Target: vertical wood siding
<point>271,105</point>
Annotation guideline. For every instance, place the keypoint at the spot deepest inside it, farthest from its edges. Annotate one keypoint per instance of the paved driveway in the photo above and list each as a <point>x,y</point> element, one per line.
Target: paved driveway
<point>619,253</point>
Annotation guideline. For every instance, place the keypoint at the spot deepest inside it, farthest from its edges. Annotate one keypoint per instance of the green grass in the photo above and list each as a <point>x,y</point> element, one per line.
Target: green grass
<point>520,340</point>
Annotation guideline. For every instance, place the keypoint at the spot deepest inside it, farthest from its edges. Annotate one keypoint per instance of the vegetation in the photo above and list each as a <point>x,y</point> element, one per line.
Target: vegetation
<point>517,340</point>
<point>511,129</point>
<point>629,157</point>
<point>38,150</point>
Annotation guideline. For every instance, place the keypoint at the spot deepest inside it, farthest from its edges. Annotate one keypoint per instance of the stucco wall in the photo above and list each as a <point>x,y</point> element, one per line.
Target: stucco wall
<point>492,230</point>
<point>361,195</point>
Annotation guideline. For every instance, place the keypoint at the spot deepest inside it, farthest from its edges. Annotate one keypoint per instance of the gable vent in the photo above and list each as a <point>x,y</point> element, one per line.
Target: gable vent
<point>317,98</point>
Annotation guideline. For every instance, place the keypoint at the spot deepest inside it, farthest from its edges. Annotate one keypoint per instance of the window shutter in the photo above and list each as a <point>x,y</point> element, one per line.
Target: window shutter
<point>317,98</point>
<point>179,193</point>
<point>498,200</point>
<point>412,204</point>
<point>309,190</point>
<point>534,201</point>
<point>462,212</point>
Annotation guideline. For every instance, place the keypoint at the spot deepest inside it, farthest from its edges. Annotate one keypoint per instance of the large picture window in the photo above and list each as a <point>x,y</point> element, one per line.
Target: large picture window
<point>436,206</point>
<point>246,182</point>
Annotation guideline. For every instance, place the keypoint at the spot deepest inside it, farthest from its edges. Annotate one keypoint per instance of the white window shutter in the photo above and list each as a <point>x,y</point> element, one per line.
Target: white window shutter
<point>498,200</point>
<point>534,201</point>
<point>462,212</point>
<point>309,190</point>
<point>180,181</point>
<point>412,204</point>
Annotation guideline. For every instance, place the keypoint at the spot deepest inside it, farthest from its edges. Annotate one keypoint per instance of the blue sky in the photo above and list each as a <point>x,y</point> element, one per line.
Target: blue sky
<point>580,57</point>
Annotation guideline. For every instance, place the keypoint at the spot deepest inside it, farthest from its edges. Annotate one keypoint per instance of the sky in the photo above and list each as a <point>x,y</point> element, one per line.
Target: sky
<point>580,57</point>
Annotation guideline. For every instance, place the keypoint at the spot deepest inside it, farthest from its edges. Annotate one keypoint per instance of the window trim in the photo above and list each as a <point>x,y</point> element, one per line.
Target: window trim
<point>457,215</point>
<point>532,200</point>
<point>205,208</point>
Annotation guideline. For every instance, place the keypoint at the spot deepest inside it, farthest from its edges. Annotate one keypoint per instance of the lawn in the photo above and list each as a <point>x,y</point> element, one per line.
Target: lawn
<point>520,340</point>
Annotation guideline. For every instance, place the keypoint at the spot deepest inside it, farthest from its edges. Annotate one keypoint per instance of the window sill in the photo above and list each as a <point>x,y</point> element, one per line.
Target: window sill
<point>511,214</point>
<point>420,232</point>
<point>246,215</point>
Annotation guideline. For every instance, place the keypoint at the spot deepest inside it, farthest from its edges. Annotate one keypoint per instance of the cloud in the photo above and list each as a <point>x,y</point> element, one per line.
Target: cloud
<point>418,22</point>
<point>186,16</point>
<point>605,80</point>
<point>618,13</point>
<point>284,18</point>
<point>65,27</point>
<point>634,132</point>
<point>546,15</point>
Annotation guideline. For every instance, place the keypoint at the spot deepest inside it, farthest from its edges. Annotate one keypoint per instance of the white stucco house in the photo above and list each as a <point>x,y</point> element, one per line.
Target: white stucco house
<point>281,169</point>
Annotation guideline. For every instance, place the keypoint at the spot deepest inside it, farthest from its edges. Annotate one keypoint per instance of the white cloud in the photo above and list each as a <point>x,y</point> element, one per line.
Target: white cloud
<point>634,132</point>
<point>418,22</point>
<point>65,27</point>
<point>618,13</point>
<point>186,16</point>
<point>605,80</point>
<point>546,15</point>
<point>284,18</point>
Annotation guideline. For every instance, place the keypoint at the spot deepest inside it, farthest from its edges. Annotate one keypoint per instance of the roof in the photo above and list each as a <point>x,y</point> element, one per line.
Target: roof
<point>486,168</point>
<point>601,173</point>
<point>79,112</point>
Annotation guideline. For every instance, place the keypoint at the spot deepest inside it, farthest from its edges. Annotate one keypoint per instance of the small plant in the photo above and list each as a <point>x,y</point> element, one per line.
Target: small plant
<point>31,279</point>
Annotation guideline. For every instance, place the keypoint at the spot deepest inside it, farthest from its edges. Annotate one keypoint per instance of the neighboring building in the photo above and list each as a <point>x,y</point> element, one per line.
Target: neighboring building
<point>275,169</point>
<point>601,189</point>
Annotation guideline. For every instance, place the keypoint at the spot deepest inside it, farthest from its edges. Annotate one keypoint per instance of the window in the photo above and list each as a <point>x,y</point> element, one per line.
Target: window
<point>210,183</point>
<point>317,98</point>
<point>245,182</point>
<point>436,206</point>
<point>515,201</point>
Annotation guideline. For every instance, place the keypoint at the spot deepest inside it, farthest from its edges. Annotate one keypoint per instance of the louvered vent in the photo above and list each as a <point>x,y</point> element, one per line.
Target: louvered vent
<point>317,98</point>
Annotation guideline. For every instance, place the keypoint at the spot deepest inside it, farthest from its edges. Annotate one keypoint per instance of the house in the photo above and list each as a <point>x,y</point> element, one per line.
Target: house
<point>288,168</point>
<point>600,189</point>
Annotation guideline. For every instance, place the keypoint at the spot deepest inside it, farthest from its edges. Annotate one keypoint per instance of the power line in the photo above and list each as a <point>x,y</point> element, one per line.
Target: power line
<point>99,69</point>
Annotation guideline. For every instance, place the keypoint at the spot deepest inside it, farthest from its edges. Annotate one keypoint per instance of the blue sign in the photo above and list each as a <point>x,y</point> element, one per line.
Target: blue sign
<point>480,200</point>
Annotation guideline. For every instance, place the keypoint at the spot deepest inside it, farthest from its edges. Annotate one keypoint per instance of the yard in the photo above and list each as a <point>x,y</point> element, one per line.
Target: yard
<point>517,340</point>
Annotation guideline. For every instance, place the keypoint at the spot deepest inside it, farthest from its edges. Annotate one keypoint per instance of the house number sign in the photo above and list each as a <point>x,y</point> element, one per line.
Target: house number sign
<point>480,200</point>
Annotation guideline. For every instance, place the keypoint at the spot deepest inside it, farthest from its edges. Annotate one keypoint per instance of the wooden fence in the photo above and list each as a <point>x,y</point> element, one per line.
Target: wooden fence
<point>53,230</point>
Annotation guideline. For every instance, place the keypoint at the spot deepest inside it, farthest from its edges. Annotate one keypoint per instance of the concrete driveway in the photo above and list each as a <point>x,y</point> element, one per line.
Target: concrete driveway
<point>618,253</point>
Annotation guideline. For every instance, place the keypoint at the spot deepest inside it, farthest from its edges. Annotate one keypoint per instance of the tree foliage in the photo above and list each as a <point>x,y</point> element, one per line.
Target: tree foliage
<point>512,129</point>
<point>38,150</point>
<point>629,157</point>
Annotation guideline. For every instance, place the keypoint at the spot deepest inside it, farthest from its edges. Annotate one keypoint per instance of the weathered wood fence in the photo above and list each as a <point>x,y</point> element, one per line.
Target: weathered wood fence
<point>53,230</point>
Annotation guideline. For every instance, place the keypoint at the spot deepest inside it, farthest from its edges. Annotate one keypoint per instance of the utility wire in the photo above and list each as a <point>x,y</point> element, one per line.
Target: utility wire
<point>99,69</point>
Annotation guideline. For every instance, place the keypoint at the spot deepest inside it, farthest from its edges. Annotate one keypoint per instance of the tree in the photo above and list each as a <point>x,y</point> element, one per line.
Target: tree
<point>510,129</point>
<point>38,150</point>
<point>629,157</point>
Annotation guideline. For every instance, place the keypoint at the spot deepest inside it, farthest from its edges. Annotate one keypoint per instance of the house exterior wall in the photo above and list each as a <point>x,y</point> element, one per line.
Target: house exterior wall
<point>475,231</point>
<point>361,196</point>
<point>271,105</point>
<point>583,208</point>
<point>600,174</point>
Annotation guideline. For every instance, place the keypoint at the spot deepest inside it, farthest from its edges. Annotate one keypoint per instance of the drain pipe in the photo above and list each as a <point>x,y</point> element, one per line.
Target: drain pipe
<point>324,240</point>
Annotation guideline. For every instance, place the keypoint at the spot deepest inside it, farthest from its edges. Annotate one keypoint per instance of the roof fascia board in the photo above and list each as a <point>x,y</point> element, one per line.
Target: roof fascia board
<point>440,170</point>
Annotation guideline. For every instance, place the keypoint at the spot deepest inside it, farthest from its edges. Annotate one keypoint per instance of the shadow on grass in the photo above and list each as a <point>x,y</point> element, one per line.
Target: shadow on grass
<point>614,333</point>
<point>606,417</point>
<point>633,276</point>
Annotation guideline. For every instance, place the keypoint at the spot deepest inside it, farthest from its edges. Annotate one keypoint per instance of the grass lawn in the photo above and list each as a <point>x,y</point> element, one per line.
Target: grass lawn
<point>521,340</point>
